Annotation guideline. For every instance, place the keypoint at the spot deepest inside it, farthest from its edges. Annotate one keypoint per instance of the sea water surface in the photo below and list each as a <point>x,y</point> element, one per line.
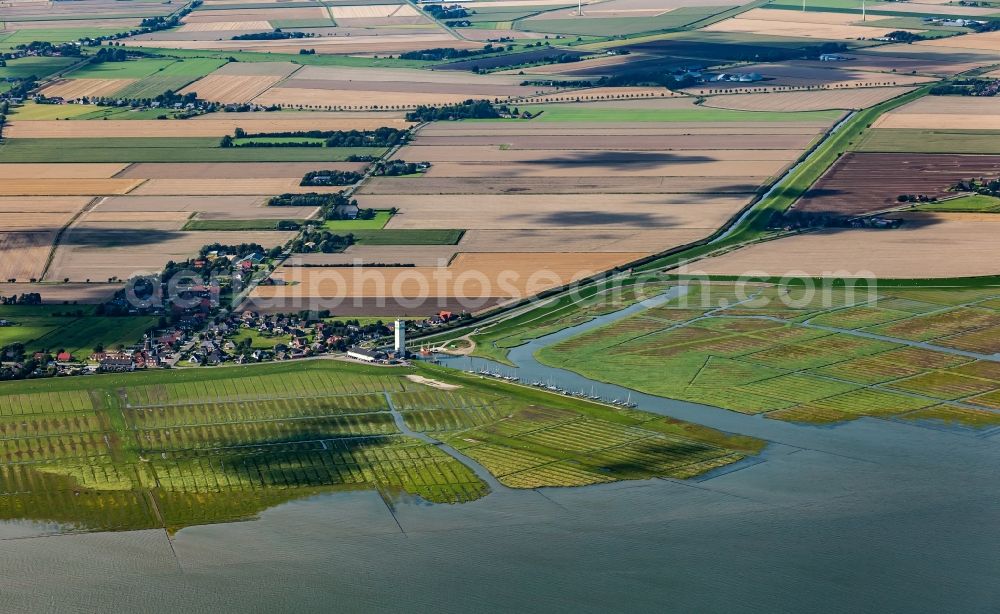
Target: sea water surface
<point>869,516</point>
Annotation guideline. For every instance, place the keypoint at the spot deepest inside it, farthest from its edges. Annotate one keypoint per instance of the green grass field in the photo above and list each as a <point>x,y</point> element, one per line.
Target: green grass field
<point>39,330</point>
<point>376,223</point>
<point>165,149</point>
<point>52,35</point>
<point>177,448</point>
<point>31,110</point>
<point>132,69</point>
<point>407,237</point>
<point>974,203</point>
<point>173,76</point>
<point>39,67</point>
<point>906,140</point>
<point>789,371</point>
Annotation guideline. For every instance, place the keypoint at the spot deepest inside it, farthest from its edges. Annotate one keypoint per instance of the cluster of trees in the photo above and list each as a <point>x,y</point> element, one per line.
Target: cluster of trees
<point>323,178</point>
<point>916,198</point>
<point>442,12</point>
<point>470,109</point>
<point>47,48</point>
<point>361,158</point>
<point>27,298</point>
<point>395,168</point>
<point>380,137</point>
<point>319,240</point>
<point>109,54</point>
<point>793,219</point>
<point>277,34</point>
<point>240,250</point>
<point>328,203</point>
<point>450,53</point>
<point>902,36</point>
<point>968,87</point>
<point>986,187</point>
<point>153,24</point>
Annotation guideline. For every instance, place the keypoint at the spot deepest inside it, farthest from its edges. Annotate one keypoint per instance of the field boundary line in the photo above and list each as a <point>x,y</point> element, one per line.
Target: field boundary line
<point>62,231</point>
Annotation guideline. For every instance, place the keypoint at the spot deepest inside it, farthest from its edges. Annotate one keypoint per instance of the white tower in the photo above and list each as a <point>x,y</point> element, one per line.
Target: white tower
<point>400,338</point>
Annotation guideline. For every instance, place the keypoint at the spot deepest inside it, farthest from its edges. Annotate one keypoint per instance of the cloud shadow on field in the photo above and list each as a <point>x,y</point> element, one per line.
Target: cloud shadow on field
<point>591,218</point>
<point>119,237</point>
<point>632,159</point>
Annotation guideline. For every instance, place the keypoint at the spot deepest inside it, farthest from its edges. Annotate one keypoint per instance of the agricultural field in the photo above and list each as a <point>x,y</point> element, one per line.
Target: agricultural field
<point>852,99</point>
<point>176,449</point>
<point>912,251</point>
<point>150,200</point>
<point>824,358</point>
<point>541,188</point>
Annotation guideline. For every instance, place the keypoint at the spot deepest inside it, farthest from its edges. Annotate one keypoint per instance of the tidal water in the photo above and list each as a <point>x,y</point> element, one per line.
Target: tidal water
<point>869,516</point>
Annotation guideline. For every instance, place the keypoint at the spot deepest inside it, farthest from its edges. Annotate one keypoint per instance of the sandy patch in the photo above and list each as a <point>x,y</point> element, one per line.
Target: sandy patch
<point>433,383</point>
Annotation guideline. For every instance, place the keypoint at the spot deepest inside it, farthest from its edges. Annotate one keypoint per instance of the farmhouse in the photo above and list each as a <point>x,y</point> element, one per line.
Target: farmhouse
<point>363,354</point>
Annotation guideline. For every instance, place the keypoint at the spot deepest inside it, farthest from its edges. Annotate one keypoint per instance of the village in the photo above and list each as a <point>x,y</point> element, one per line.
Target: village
<point>235,338</point>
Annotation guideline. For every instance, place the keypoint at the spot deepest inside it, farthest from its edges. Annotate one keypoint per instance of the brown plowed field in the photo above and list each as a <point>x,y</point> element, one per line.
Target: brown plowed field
<point>575,166</point>
<point>866,182</point>
<point>56,294</point>
<point>23,254</point>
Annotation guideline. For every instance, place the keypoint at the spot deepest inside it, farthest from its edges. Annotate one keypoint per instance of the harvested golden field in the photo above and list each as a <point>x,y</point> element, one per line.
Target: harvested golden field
<point>222,26</point>
<point>586,239</point>
<point>852,99</point>
<point>569,212</point>
<point>809,17</point>
<point>215,127</point>
<point>225,187</point>
<point>372,11</point>
<point>33,220</point>
<point>230,170</point>
<point>207,207</point>
<point>606,93</point>
<point>427,256</point>
<point>729,168</point>
<point>72,89</point>
<point>607,157</point>
<point>301,97</point>
<point>825,31</point>
<point>254,14</point>
<point>570,68</point>
<point>986,43</point>
<point>60,171</point>
<point>67,187</point>
<point>42,204</point>
<point>102,250</point>
<point>231,88</point>
<point>23,254</point>
<point>174,219</point>
<point>927,245</point>
<point>505,275</point>
<point>945,112</point>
